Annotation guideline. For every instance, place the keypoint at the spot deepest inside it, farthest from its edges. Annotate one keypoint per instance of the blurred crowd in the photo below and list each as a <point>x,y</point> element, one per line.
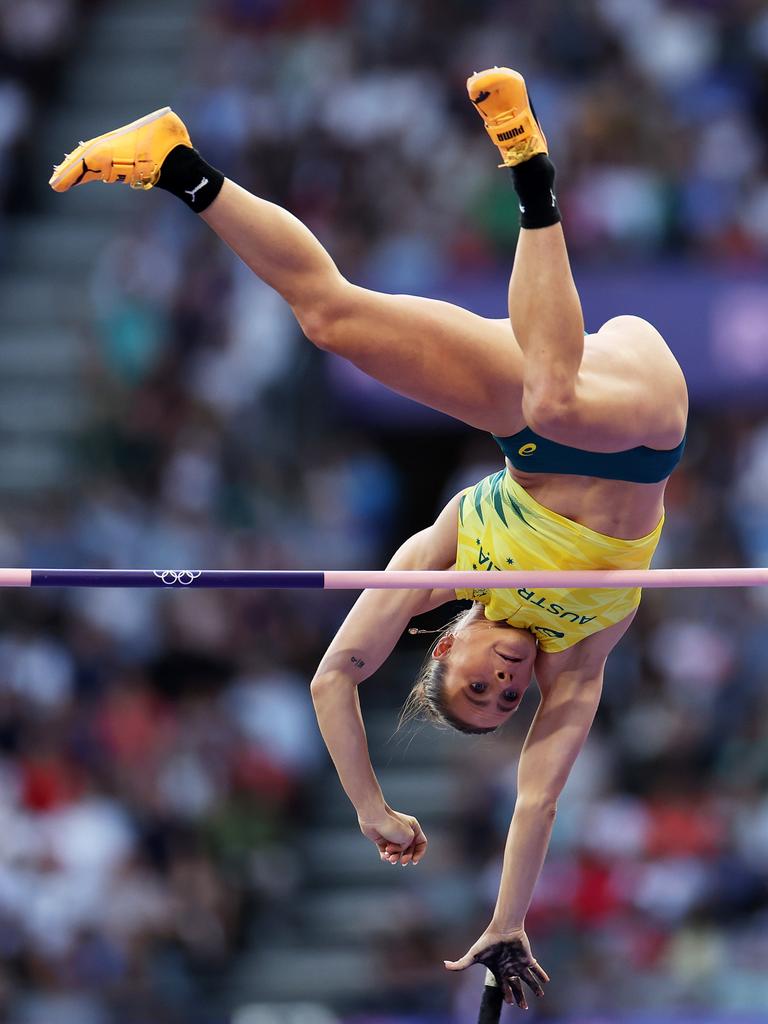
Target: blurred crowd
<point>355,116</point>
<point>36,38</point>
<point>158,750</point>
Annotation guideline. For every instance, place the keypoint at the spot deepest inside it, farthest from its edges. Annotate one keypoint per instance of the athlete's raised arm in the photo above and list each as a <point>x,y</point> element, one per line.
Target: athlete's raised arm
<point>571,685</point>
<point>362,644</point>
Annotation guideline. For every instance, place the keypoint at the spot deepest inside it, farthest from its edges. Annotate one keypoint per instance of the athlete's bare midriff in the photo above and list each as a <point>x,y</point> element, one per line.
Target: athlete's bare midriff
<point>613,507</point>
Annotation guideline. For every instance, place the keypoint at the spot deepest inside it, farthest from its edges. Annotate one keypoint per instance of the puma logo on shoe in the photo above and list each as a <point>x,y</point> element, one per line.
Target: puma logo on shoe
<point>481,97</point>
<point>191,191</point>
<point>511,134</point>
<point>86,170</point>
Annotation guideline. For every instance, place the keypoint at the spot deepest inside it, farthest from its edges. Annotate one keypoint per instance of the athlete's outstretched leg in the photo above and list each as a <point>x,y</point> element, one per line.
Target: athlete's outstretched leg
<point>544,307</point>
<point>623,387</point>
<point>276,246</point>
<point>545,312</point>
<point>435,352</point>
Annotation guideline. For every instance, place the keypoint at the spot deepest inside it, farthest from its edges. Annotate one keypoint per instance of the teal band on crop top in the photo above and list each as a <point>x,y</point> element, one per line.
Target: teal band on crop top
<point>531,453</point>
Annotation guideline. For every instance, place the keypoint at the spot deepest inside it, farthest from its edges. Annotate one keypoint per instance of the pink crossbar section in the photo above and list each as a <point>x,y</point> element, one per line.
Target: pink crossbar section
<point>510,580</point>
<point>15,577</point>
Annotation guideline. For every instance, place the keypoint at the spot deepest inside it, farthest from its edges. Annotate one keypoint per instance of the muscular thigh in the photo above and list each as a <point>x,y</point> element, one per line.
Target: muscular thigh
<point>439,354</point>
<point>630,390</point>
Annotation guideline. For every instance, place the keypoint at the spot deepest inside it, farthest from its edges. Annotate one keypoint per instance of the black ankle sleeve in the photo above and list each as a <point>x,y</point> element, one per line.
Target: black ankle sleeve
<point>534,182</point>
<point>188,176</point>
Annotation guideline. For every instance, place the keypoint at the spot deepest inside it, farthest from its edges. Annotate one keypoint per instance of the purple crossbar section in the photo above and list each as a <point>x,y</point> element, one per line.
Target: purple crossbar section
<point>216,578</point>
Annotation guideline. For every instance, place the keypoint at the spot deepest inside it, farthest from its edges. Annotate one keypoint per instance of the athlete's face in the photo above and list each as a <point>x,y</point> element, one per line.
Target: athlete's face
<point>489,668</point>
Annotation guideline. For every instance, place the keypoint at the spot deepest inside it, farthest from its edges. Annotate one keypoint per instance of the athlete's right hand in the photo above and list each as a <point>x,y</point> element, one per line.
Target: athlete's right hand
<point>399,837</point>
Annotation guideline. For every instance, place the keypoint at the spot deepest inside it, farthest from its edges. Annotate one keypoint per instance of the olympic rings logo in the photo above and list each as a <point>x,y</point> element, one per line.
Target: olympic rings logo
<point>177,577</point>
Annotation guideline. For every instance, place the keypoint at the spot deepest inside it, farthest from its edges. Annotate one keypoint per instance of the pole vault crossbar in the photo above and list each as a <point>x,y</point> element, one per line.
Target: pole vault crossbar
<point>389,579</point>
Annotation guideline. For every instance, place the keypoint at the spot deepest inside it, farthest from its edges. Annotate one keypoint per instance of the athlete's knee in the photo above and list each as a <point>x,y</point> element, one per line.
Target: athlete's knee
<point>550,411</point>
<point>322,315</point>
<point>316,321</point>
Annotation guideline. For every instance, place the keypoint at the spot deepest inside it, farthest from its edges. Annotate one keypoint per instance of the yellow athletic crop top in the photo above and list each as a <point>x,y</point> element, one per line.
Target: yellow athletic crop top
<point>502,527</point>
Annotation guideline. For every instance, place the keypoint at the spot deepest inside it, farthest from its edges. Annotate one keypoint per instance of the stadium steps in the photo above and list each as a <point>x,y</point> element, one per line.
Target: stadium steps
<point>127,62</point>
<point>287,973</point>
<point>425,791</point>
<point>351,902</point>
<point>44,247</point>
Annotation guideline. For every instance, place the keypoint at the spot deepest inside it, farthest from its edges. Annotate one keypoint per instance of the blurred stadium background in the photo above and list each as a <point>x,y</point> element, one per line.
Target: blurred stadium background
<point>174,845</point>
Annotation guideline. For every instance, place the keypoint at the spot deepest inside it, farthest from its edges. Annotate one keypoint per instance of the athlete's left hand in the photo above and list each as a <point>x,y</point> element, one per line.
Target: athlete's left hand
<point>399,837</point>
<point>507,955</point>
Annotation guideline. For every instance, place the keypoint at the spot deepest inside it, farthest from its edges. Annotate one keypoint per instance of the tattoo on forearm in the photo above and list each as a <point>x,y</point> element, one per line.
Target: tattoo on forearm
<point>357,661</point>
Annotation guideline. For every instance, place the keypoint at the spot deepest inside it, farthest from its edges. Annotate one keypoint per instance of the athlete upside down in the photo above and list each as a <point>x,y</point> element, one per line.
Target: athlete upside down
<point>591,428</point>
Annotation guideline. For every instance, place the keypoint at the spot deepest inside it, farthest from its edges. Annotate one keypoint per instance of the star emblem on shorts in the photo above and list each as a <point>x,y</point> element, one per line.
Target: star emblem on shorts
<point>474,565</point>
<point>477,540</point>
<point>510,561</point>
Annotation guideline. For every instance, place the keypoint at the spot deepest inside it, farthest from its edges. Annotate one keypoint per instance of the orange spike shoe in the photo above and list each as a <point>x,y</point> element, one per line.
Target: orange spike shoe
<point>501,99</point>
<point>132,154</point>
